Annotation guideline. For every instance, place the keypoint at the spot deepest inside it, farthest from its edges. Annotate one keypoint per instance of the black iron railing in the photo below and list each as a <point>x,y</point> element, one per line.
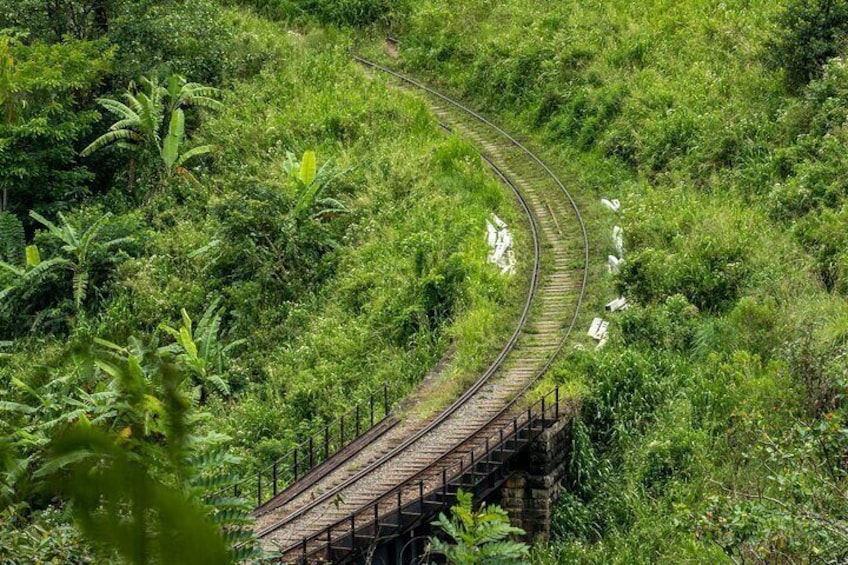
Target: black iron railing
<point>481,470</point>
<point>271,480</point>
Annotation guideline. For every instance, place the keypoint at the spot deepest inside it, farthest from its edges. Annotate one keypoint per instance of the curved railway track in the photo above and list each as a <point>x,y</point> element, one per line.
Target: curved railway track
<point>301,520</point>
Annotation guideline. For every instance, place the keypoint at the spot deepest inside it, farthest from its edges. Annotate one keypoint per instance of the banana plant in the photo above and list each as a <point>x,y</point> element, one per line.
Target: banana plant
<point>200,349</point>
<point>80,247</point>
<point>142,120</point>
<point>173,160</point>
<point>311,182</point>
<point>31,274</point>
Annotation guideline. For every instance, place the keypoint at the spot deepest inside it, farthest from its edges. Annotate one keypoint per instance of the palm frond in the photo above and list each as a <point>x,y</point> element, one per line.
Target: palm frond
<point>110,137</point>
<point>118,108</point>
<point>194,152</point>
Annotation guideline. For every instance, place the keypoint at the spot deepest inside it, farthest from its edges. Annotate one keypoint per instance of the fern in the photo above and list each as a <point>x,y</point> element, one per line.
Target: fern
<point>209,462</point>
<point>12,240</point>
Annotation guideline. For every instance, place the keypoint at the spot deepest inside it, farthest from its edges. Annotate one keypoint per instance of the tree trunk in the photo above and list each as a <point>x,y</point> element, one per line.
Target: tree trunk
<point>101,16</point>
<point>131,175</point>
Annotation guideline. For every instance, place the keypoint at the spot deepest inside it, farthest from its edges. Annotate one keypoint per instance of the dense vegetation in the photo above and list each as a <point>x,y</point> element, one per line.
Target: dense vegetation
<point>216,232</point>
<point>216,235</point>
<point>714,425</point>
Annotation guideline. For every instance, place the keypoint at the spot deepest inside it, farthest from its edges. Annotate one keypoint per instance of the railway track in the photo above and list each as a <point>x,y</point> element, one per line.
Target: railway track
<point>401,462</point>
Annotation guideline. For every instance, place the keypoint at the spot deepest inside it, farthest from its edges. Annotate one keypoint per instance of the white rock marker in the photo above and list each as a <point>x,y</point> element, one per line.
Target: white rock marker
<point>500,242</point>
<point>618,240</point>
<point>614,264</point>
<point>598,329</point>
<point>619,303</point>
<point>613,204</point>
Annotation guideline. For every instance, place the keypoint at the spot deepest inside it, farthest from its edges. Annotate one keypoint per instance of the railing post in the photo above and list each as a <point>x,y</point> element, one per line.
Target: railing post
<point>311,454</point>
<point>445,485</point>
<point>294,464</point>
<point>327,442</point>
<point>376,518</point>
<point>421,496</point>
<point>329,542</point>
<point>357,421</point>
<point>556,399</point>
<point>353,531</point>
<point>275,478</point>
<point>259,489</point>
<point>399,510</point>
<point>543,411</point>
<point>371,400</point>
<point>386,399</point>
<point>341,432</point>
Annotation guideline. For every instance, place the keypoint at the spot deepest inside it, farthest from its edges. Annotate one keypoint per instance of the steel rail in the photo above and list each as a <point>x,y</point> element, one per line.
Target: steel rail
<point>513,340</point>
<point>457,404</point>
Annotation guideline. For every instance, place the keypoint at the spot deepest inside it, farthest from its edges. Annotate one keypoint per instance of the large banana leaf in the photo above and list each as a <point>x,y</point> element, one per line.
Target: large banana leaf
<point>176,134</point>
<point>195,152</point>
<point>308,168</point>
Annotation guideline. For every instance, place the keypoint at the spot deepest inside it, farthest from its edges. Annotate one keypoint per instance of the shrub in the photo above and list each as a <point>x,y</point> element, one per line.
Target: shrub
<point>809,33</point>
<point>353,13</point>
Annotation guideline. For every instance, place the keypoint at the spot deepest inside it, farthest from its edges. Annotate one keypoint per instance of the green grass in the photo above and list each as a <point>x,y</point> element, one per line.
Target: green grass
<point>671,108</point>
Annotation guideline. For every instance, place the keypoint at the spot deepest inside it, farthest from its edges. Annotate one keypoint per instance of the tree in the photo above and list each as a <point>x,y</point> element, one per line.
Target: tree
<point>43,118</point>
<point>35,285</point>
<point>479,537</point>
<point>143,119</point>
<point>809,33</point>
<point>54,20</point>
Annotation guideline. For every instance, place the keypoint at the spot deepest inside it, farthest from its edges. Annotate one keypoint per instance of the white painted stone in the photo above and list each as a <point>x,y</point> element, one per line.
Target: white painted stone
<point>613,204</point>
<point>618,240</point>
<point>619,303</point>
<point>614,264</point>
<point>598,329</point>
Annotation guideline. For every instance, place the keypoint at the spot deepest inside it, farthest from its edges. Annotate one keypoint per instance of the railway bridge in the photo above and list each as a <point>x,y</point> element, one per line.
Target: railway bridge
<point>367,487</point>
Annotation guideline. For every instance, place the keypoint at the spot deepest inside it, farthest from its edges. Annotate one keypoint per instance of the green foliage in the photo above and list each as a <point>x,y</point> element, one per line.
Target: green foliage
<point>353,13</point>
<point>44,120</point>
<point>118,439</point>
<point>103,479</point>
<point>41,537</point>
<point>201,351</point>
<point>809,32</point>
<point>184,37</point>
<point>140,128</point>
<point>478,537</point>
<point>35,292</point>
<point>12,242</point>
<point>54,21</point>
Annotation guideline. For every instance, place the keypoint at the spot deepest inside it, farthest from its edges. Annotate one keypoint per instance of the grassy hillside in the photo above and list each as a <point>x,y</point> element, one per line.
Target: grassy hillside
<point>712,425</point>
<point>229,304</point>
<point>261,235</point>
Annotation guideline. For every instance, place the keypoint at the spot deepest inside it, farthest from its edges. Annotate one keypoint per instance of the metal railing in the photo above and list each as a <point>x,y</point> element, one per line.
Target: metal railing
<point>480,471</point>
<point>271,480</point>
